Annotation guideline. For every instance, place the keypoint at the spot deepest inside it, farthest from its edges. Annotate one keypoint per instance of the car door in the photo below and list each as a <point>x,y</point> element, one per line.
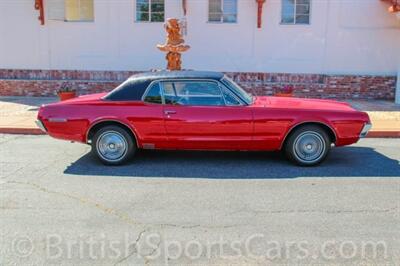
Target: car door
<point>148,119</point>
<point>202,114</point>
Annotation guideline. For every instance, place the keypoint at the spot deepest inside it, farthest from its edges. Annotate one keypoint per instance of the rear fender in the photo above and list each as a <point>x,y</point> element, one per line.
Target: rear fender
<point>113,120</point>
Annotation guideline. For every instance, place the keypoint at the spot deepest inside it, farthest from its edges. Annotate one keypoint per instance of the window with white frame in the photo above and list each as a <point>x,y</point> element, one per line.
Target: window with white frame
<point>79,10</point>
<point>71,10</point>
<point>224,11</point>
<point>150,10</point>
<point>296,11</point>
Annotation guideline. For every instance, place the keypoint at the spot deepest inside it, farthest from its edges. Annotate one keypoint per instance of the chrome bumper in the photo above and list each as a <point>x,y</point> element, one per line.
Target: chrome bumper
<point>365,130</point>
<point>41,126</point>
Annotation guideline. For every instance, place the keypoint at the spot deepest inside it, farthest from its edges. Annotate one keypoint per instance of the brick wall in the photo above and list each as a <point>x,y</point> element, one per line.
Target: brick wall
<point>47,82</point>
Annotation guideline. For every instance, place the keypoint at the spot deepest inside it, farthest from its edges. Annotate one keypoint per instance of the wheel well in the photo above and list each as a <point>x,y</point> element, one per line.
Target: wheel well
<point>326,128</point>
<point>99,125</point>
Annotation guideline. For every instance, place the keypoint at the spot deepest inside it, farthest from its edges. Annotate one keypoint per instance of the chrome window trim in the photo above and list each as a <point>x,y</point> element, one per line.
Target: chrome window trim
<point>231,90</point>
<point>149,88</point>
<point>194,80</point>
<point>218,82</point>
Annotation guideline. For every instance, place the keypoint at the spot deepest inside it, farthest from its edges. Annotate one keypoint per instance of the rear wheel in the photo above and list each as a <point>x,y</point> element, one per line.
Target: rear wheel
<point>308,145</point>
<point>113,145</point>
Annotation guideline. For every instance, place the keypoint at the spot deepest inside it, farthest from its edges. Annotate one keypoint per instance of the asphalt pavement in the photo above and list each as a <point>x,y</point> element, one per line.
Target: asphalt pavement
<point>59,205</point>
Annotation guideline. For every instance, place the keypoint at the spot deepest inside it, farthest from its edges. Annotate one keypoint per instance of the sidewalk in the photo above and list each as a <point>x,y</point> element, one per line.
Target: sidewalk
<point>18,115</point>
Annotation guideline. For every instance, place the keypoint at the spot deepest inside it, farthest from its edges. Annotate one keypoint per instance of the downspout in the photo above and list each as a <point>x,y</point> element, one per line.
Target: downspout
<point>260,4</point>
<point>397,93</point>
<point>39,5</point>
<point>183,21</point>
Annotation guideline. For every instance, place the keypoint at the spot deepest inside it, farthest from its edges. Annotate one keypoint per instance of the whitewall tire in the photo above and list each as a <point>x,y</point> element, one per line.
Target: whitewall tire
<point>113,145</point>
<point>308,145</point>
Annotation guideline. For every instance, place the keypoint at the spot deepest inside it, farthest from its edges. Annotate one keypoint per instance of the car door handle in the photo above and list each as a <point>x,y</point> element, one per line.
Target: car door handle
<point>169,112</point>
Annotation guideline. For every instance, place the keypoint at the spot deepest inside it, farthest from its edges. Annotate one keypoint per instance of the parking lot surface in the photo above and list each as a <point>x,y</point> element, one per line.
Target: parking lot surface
<point>59,205</point>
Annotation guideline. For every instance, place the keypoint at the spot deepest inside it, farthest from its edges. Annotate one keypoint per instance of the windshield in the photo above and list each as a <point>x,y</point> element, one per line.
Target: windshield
<point>238,90</point>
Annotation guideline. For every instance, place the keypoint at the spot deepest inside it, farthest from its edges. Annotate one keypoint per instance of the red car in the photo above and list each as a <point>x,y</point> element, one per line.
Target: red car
<point>195,110</point>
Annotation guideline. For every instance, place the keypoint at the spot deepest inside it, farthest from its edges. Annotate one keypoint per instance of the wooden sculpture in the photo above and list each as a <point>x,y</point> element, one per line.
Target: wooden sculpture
<point>395,5</point>
<point>174,44</point>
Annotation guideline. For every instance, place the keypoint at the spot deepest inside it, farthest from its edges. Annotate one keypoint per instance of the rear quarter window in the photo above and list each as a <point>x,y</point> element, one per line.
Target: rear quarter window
<point>130,90</point>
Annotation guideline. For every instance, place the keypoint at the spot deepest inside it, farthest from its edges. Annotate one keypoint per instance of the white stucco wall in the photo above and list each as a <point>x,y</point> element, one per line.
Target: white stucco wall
<point>344,37</point>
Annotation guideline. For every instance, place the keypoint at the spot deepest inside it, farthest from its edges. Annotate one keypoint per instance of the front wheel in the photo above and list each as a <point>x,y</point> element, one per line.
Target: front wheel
<point>113,145</point>
<point>308,145</point>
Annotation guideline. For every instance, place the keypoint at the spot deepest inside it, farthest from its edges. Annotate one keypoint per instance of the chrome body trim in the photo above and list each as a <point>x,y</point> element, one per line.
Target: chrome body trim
<point>218,82</point>
<point>58,120</point>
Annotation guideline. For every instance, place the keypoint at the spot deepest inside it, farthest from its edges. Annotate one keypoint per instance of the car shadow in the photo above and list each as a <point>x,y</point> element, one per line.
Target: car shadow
<point>342,162</point>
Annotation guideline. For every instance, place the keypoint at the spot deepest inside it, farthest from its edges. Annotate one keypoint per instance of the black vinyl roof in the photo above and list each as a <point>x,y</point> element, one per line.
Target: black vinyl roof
<point>134,87</point>
<point>164,74</point>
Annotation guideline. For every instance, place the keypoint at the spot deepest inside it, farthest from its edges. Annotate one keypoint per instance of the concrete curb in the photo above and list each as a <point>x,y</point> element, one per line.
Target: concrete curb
<point>383,134</point>
<point>37,131</point>
<point>22,131</point>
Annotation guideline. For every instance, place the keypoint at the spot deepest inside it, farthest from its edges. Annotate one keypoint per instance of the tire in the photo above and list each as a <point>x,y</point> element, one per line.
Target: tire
<point>308,145</point>
<point>113,145</point>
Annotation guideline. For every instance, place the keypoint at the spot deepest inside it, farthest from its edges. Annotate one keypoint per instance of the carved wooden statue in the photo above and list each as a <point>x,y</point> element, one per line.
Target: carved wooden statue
<point>174,44</point>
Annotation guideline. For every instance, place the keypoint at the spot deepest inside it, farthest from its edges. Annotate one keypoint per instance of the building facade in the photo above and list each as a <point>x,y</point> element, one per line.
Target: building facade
<point>322,48</point>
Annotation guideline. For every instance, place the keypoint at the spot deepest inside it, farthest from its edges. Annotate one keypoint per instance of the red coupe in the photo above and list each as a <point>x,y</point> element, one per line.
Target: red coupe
<point>195,110</point>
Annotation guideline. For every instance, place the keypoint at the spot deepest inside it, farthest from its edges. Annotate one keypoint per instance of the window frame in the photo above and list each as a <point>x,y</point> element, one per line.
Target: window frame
<point>295,14</point>
<point>148,89</point>
<point>222,14</point>
<point>150,13</point>
<point>80,14</point>
<point>229,83</point>
<point>219,84</point>
<point>233,95</point>
<point>193,81</point>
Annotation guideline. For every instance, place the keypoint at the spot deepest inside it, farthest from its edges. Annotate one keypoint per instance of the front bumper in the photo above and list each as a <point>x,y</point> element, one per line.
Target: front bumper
<point>365,130</point>
<point>41,126</point>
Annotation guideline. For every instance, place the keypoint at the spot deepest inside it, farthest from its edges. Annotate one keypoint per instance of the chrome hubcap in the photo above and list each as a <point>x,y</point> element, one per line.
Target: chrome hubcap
<point>309,147</point>
<point>112,146</point>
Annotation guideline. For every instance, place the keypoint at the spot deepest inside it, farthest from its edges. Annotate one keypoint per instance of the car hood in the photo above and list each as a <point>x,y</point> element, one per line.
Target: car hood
<point>300,103</point>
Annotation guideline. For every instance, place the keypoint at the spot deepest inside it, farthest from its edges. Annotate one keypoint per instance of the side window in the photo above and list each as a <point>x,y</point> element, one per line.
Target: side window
<point>296,12</point>
<point>230,100</point>
<point>154,94</point>
<point>70,10</point>
<point>130,90</point>
<point>224,11</point>
<point>200,93</point>
<point>79,10</point>
<point>150,10</point>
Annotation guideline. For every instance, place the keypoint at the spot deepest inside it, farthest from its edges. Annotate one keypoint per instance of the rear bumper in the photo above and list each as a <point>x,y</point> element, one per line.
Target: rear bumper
<point>366,128</point>
<point>41,126</point>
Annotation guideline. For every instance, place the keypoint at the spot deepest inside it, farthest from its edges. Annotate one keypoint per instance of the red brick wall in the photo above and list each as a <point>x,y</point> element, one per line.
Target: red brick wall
<point>47,82</point>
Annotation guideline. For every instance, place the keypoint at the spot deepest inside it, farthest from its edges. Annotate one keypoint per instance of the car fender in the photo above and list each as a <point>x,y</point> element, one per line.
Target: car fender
<point>113,119</point>
<point>299,122</point>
